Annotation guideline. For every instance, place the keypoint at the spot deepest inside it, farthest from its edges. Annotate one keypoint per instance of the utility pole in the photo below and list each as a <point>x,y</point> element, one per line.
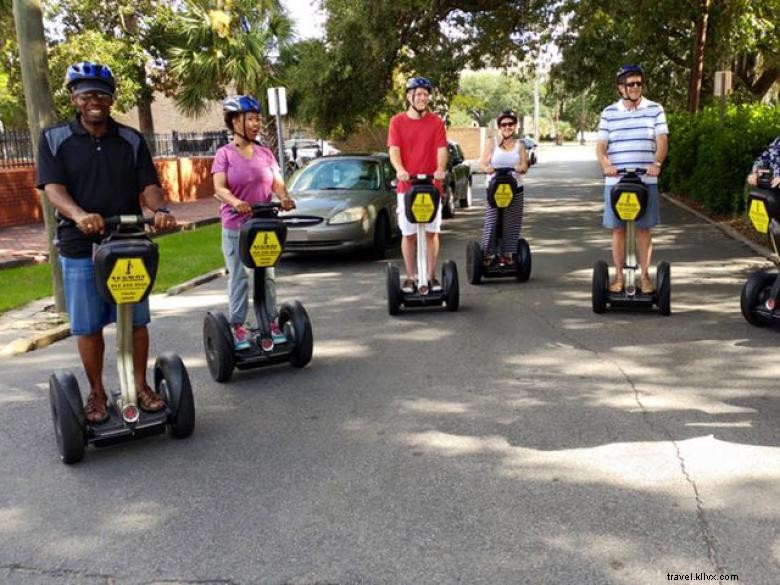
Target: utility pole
<point>28,18</point>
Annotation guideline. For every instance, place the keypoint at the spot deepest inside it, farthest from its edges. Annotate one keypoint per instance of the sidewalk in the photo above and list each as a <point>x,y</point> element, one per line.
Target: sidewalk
<point>36,325</point>
<point>25,244</point>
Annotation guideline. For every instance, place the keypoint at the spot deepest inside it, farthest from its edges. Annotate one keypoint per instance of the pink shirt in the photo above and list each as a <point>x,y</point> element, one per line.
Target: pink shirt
<point>248,179</point>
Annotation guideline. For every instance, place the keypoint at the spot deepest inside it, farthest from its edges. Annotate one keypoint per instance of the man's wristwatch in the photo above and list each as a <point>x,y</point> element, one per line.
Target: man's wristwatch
<point>658,164</point>
<point>162,210</point>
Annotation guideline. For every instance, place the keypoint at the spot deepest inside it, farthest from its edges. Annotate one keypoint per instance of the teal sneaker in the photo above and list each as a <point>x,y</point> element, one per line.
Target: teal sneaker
<point>276,333</point>
<point>240,337</point>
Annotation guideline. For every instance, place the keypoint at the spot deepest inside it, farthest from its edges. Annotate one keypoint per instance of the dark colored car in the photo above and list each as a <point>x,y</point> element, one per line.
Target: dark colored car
<point>343,202</point>
<point>530,149</point>
<point>457,184</point>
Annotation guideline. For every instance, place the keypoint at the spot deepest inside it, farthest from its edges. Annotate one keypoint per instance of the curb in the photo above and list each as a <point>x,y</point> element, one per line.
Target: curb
<point>41,340</point>
<point>198,280</point>
<point>727,229</point>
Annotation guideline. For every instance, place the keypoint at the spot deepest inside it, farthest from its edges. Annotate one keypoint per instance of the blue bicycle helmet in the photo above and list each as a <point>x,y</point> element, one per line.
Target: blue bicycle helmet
<point>240,104</point>
<point>626,70</point>
<point>423,82</point>
<point>86,76</point>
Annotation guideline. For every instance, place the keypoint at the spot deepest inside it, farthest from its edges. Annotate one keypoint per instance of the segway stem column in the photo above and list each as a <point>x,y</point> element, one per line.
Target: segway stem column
<point>422,259</point>
<point>128,401</point>
<point>630,264</point>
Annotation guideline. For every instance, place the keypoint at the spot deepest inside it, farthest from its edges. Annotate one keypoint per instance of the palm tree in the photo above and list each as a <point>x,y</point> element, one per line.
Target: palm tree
<point>226,43</point>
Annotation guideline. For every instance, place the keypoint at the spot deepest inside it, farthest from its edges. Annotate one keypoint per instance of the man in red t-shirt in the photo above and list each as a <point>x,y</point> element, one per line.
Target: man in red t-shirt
<point>417,142</point>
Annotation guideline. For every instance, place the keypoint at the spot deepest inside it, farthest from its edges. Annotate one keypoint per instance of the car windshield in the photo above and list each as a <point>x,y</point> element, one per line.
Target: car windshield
<point>350,175</point>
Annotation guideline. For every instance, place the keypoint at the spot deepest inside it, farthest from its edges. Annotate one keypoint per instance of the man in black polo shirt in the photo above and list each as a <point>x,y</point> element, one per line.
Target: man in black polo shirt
<point>90,168</point>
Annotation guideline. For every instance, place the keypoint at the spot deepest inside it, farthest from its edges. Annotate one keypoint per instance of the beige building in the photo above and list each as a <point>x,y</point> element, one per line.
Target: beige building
<point>168,118</point>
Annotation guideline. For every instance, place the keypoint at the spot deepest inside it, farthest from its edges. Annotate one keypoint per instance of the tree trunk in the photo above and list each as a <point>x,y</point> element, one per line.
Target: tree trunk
<point>40,111</point>
<point>694,91</point>
<point>145,119</point>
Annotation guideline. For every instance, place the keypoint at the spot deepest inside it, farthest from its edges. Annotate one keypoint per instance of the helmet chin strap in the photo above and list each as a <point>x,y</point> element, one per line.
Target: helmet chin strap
<point>624,95</point>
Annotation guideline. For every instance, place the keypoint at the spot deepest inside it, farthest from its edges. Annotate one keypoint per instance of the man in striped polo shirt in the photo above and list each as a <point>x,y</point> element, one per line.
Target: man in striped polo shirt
<point>632,133</point>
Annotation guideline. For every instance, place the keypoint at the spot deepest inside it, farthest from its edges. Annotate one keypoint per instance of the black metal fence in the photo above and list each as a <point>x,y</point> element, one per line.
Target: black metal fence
<point>16,149</point>
<point>16,145</point>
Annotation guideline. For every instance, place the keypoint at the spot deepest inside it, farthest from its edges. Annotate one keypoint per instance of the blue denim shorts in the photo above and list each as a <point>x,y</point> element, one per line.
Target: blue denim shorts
<point>651,217</point>
<point>87,311</point>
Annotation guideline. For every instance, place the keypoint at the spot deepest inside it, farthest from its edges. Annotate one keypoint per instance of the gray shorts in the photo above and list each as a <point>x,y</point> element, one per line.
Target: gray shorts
<point>651,217</point>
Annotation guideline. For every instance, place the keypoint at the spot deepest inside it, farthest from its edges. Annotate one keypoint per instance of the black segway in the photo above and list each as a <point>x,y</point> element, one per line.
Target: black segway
<point>761,293</point>
<point>501,192</point>
<point>422,202</point>
<point>125,270</point>
<point>629,199</point>
<point>261,243</point>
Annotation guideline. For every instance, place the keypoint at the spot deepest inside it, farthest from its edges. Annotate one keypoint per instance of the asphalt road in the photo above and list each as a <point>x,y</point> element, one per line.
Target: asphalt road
<point>523,439</point>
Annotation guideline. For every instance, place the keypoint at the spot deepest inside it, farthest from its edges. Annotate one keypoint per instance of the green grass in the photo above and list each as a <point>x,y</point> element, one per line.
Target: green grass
<point>183,255</point>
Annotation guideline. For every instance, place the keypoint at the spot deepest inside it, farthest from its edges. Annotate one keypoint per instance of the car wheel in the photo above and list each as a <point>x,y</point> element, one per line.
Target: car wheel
<point>466,201</point>
<point>381,237</point>
<point>448,210</point>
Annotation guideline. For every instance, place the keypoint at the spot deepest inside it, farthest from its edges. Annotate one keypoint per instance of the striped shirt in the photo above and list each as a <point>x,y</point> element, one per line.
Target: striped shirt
<point>630,135</point>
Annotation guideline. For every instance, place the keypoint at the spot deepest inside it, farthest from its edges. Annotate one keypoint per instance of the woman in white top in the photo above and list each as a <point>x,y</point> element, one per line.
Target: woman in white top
<point>504,151</point>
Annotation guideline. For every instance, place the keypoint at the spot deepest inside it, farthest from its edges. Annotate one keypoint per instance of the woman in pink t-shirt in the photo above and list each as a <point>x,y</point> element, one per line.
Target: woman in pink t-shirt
<point>245,173</point>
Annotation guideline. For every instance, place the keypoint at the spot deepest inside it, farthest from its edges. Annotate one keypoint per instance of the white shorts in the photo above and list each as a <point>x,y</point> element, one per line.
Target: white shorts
<point>408,228</point>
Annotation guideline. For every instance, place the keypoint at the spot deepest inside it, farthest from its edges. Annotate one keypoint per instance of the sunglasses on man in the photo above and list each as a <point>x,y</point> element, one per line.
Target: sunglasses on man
<point>103,98</point>
<point>633,84</point>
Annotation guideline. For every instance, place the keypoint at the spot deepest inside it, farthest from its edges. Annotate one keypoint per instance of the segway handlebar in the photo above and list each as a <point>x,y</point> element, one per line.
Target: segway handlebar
<point>421,179</point>
<point>764,178</point>
<point>127,221</point>
<point>503,171</point>
<point>631,170</point>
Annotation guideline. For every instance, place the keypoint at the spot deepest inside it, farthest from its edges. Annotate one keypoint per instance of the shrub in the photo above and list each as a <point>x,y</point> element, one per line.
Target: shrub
<point>708,160</point>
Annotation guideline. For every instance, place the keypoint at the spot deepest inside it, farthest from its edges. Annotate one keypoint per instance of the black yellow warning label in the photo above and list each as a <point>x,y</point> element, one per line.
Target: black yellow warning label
<point>128,280</point>
<point>628,206</point>
<point>422,208</point>
<point>504,195</point>
<point>758,216</point>
<point>265,249</point>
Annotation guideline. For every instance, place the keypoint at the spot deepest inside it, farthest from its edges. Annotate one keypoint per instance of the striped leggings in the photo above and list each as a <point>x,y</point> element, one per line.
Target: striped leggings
<point>512,224</point>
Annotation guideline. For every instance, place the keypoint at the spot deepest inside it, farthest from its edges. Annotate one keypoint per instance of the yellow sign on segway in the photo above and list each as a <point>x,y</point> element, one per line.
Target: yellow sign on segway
<point>422,208</point>
<point>628,206</point>
<point>758,216</point>
<point>265,249</point>
<point>504,195</point>
<point>128,280</point>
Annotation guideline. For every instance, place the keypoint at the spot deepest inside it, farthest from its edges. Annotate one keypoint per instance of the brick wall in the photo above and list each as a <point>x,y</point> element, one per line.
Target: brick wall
<point>19,202</point>
<point>185,179</point>
<point>471,140</point>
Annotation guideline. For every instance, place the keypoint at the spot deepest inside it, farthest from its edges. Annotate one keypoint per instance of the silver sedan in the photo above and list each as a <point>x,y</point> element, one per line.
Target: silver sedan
<point>343,203</point>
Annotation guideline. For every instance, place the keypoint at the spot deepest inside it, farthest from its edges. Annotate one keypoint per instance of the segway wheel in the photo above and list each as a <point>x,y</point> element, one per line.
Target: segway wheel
<point>755,293</point>
<point>663,287</point>
<point>474,262</point>
<point>523,260</point>
<point>393,289</point>
<point>295,323</point>
<point>67,413</point>
<point>600,286</point>
<point>218,345</point>
<point>449,278</point>
<point>172,382</point>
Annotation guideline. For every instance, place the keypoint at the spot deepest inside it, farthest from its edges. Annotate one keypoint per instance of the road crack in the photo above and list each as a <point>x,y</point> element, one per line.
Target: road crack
<point>703,523</point>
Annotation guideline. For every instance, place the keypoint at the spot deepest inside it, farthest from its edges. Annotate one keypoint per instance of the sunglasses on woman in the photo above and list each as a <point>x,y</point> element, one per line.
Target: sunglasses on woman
<point>507,124</point>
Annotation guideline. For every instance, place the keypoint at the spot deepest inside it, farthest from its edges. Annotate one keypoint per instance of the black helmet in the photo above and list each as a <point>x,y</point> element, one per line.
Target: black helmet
<point>423,82</point>
<point>506,114</point>
<point>626,70</point>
